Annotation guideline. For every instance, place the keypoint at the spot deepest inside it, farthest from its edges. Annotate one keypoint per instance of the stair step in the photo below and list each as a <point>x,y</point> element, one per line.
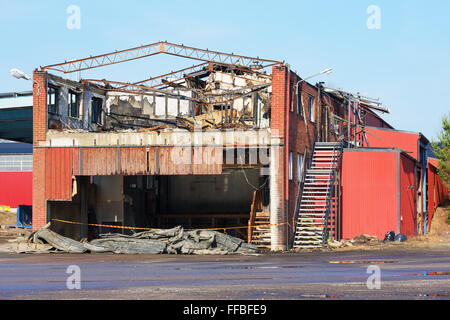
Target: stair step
<point>309,238</point>
<point>311,242</point>
<point>317,196</point>
<point>307,247</point>
<point>310,233</point>
<point>310,223</point>
<point>315,215</point>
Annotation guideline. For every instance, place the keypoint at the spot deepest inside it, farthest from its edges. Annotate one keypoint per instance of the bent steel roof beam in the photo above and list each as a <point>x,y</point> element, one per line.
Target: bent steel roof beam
<point>157,48</point>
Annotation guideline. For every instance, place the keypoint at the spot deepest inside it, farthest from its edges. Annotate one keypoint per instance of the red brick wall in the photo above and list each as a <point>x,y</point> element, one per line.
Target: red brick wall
<point>278,127</point>
<point>300,135</point>
<point>39,134</point>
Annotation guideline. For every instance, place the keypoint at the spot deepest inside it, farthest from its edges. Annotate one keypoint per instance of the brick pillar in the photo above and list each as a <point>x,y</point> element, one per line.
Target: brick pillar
<point>277,159</point>
<point>39,134</point>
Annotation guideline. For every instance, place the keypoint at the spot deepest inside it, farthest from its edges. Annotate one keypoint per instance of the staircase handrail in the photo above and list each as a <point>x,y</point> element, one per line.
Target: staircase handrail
<point>301,187</point>
<point>329,196</point>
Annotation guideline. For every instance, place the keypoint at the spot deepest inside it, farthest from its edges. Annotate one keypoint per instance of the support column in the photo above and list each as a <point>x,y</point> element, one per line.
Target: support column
<point>39,134</point>
<point>277,203</point>
<point>278,158</point>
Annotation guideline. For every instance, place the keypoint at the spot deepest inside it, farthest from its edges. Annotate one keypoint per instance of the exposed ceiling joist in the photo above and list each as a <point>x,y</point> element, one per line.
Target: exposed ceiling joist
<point>157,48</point>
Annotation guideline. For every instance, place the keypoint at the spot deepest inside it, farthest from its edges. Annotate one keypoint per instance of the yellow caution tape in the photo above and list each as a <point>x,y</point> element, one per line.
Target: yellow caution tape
<point>5,208</point>
<point>138,228</point>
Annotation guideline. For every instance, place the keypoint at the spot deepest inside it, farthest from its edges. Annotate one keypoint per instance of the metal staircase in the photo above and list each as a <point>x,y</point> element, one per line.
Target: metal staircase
<point>260,233</point>
<point>259,223</point>
<point>317,199</point>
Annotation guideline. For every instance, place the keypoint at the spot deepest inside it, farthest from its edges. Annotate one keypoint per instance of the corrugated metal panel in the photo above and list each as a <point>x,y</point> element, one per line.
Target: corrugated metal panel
<point>181,160</point>
<point>369,193</point>
<point>76,161</point>
<point>174,160</point>
<point>139,161</point>
<point>16,188</point>
<point>437,191</point>
<point>207,160</point>
<point>58,174</point>
<point>383,138</point>
<point>133,161</point>
<point>407,196</point>
<point>151,160</point>
<point>99,161</point>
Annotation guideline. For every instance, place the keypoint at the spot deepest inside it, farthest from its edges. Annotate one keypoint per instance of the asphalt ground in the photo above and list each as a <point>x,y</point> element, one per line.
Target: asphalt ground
<point>422,273</point>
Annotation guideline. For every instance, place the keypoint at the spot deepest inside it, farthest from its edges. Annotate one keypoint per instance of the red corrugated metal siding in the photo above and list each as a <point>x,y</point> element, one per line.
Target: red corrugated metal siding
<point>76,161</point>
<point>133,161</point>
<point>99,162</point>
<point>407,196</point>
<point>437,191</point>
<point>151,159</point>
<point>369,193</point>
<point>207,160</point>
<point>16,188</point>
<point>431,177</point>
<point>382,138</point>
<point>174,160</point>
<point>58,174</point>
<point>61,163</point>
<point>373,120</point>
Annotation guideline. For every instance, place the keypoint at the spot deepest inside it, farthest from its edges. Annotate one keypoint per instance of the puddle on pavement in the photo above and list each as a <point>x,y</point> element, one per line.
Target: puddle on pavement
<point>258,267</point>
<point>362,262</point>
<point>246,267</point>
<point>427,274</point>
<point>294,295</point>
<point>434,295</point>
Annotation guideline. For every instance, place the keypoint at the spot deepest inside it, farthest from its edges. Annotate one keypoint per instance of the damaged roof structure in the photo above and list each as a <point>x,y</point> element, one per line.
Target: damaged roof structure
<point>227,144</point>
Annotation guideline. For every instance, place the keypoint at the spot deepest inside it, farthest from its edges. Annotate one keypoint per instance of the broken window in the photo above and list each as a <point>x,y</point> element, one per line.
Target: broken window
<point>299,167</point>
<point>290,166</point>
<point>52,100</point>
<point>299,104</point>
<point>96,110</point>
<point>311,108</point>
<point>291,98</point>
<point>73,104</point>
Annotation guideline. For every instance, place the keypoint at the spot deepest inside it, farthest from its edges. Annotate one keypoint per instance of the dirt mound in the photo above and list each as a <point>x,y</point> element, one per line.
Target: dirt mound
<point>7,218</point>
<point>440,229</point>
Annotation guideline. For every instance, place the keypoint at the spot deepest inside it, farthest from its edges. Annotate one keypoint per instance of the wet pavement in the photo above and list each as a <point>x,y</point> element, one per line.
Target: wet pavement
<point>405,274</point>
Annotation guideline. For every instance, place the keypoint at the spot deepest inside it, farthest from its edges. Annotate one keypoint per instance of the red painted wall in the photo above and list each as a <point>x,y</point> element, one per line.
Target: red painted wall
<point>385,138</point>
<point>16,188</point>
<point>437,191</point>
<point>407,196</point>
<point>369,193</point>
<point>374,120</point>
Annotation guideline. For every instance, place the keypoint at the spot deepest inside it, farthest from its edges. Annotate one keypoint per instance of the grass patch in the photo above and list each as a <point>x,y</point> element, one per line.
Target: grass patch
<point>448,217</point>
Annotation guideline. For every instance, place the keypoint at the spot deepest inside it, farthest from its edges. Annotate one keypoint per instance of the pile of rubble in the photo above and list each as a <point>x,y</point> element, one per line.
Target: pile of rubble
<point>157,241</point>
<point>356,241</point>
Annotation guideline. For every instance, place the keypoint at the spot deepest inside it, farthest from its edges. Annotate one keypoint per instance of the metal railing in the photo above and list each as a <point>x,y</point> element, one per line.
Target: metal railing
<point>330,191</point>
<point>301,187</point>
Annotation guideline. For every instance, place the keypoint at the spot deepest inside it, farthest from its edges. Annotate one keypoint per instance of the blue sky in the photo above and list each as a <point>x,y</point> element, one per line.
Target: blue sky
<point>405,63</point>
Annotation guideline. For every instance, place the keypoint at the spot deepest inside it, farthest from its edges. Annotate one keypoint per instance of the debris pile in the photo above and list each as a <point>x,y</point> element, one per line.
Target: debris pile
<point>171,241</point>
<point>363,239</point>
